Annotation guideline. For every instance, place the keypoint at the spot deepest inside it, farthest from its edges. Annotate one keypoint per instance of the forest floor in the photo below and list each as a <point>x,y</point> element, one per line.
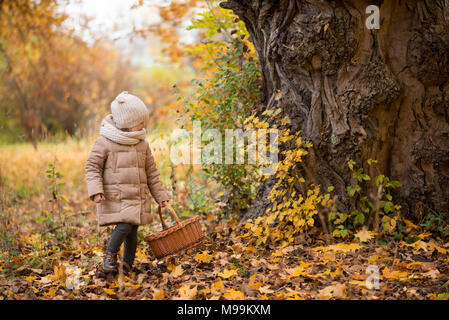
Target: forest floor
<point>228,266</point>
<point>54,251</point>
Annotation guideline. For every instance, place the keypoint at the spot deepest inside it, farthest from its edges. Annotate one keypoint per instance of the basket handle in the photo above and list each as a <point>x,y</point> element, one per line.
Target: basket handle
<point>172,212</point>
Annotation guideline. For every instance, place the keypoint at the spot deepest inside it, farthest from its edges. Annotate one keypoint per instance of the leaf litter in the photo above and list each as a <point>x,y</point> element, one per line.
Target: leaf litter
<point>228,266</point>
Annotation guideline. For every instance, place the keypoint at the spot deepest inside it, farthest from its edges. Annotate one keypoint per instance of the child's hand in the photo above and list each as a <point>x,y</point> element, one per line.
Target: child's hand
<point>164,204</point>
<point>99,197</point>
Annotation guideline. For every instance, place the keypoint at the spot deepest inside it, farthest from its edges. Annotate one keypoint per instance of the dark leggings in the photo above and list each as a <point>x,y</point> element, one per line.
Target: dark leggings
<point>127,233</point>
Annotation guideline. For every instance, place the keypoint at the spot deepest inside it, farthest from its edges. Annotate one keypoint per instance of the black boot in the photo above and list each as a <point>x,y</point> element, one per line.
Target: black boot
<point>110,262</point>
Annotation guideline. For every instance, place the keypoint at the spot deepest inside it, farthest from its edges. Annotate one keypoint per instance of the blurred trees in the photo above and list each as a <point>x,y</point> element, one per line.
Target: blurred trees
<point>155,87</point>
<point>50,79</point>
<point>174,65</point>
<point>224,90</point>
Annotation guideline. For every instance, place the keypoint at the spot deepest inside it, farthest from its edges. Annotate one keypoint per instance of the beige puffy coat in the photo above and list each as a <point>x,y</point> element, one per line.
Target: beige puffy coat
<point>125,174</point>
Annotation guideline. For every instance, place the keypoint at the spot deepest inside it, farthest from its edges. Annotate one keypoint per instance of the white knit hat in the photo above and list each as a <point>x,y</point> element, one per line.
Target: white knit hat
<point>128,110</point>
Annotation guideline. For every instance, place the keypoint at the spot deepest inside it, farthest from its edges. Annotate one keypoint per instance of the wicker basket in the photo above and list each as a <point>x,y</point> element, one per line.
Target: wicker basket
<point>183,235</point>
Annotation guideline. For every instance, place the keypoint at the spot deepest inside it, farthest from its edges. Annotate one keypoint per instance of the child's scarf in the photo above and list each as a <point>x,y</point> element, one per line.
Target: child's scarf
<point>110,131</point>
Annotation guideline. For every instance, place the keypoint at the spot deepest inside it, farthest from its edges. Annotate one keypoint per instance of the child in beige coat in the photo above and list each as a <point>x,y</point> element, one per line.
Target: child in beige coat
<point>120,174</point>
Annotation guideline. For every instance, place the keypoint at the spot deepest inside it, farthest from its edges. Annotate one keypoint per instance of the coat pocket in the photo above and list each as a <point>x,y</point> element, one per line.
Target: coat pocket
<point>112,202</point>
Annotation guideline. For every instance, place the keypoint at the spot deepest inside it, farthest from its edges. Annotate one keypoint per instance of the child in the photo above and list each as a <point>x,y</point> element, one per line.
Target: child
<point>120,174</point>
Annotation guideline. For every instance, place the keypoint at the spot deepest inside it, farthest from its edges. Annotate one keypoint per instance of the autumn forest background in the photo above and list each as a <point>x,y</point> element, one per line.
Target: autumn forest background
<point>287,236</point>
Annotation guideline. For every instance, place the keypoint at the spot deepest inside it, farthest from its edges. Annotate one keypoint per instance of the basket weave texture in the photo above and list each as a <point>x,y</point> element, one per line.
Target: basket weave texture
<point>183,235</point>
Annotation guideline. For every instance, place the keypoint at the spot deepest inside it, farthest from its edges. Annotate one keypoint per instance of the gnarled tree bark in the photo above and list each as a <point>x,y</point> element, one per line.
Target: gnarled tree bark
<point>359,93</point>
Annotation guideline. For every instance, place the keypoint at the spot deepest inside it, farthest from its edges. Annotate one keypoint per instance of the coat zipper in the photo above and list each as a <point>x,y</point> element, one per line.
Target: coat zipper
<point>115,162</point>
<point>138,179</point>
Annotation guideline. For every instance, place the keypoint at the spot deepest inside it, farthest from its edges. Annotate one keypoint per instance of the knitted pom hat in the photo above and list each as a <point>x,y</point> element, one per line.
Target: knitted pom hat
<point>128,110</point>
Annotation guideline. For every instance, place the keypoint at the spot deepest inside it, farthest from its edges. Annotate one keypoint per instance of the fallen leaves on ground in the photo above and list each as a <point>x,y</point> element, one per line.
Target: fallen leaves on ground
<point>364,235</point>
<point>227,265</point>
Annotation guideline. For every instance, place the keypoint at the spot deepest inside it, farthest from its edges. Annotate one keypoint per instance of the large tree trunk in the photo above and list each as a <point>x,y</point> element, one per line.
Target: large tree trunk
<point>359,93</point>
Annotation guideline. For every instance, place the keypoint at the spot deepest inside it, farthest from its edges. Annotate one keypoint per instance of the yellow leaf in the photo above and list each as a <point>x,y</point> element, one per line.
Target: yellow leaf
<point>170,265</point>
<point>227,273</point>
<point>51,292</point>
<point>434,274</point>
<point>340,247</point>
<point>159,294</point>
<point>250,248</point>
<point>134,286</point>
<point>257,231</point>
<point>424,235</point>
<point>295,272</point>
<point>359,283</point>
<point>253,284</point>
<point>30,278</point>
<point>433,246</point>
<point>187,293</point>
<point>272,266</point>
<point>328,256</point>
<point>277,254</point>
<point>141,256</point>
<point>364,235</point>
<point>321,275</point>
<point>426,246</point>
<point>204,291</point>
<point>265,289</point>
<point>217,286</point>
<point>234,294</point>
<point>439,296</point>
<point>109,291</point>
<point>310,222</point>
<point>59,272</point>
<point>334,291</point>
<point>47,279</point>
<point>267,112</point>
<point>177,271</point>
<point>418,245</point>
<point>293,296</point>
<point>410,225</point>
<point>203,257</point>
<point>337,272</point>
<point>278,110</point>
<point>393,274</point>
<point>246,235</point>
